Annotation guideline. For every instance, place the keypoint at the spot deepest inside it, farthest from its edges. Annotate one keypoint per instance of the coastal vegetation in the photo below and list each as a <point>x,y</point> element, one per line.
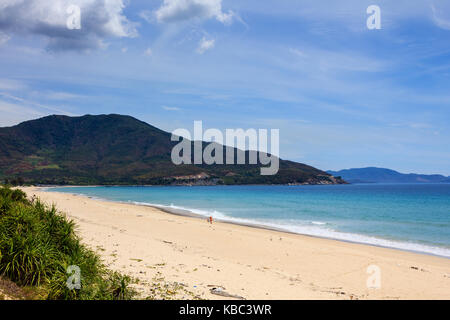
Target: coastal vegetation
<point>38,245</point>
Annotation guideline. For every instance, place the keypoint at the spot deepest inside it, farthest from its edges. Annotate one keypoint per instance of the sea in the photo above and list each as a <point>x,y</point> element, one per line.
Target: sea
<point>412,217</point>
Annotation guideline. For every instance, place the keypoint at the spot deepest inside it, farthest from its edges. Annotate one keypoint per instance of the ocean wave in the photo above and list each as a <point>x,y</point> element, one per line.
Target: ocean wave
<point>318,223</point>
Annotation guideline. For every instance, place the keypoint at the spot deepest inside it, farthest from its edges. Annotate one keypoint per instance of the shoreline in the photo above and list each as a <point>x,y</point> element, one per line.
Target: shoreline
<point>286,256</point>
<point>188,213</point>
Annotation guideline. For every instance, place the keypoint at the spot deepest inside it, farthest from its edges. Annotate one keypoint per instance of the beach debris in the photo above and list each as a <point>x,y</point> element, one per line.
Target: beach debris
<point>181,284</point>
<point>215,286</point>
<point>295,279</point>
<point>161,289</point>
<point>335,292</point>
<point>220,292</point>
<point>418,269</point>
<point>168,242</point>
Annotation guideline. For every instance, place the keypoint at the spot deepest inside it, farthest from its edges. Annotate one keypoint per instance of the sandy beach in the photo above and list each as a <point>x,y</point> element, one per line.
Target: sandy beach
<point>187,257</point>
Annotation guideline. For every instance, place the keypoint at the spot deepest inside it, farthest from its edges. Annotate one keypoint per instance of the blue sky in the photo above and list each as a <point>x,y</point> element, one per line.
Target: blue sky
<point>342,95</point>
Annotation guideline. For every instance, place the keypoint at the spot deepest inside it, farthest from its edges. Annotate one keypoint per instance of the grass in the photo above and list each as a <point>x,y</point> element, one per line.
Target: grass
<point>37,246</point>
<point>50,166</point>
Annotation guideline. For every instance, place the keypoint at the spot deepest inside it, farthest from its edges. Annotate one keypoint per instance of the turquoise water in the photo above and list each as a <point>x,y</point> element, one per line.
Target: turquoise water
<point>405,216</point>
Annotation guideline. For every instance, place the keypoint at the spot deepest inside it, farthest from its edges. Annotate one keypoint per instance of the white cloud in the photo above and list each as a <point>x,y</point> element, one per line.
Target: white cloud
<point>13,114</point>
<point>205,45</point>
<point>181,10</point>
<point>318,60</point>
<point>148,52</point>
<point>25,102</point>
<point>6,84</point>
<point>4,38</point>
<point>100,19</point>
<point>61,96</point>
<point>297,52</point>
<point>439,20</point>
<point>171,108</point>
<point>147,15</point>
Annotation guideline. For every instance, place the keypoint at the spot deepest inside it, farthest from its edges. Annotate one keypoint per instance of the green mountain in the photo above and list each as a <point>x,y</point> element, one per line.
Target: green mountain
<point>382,175</point>
<point>116,149</point>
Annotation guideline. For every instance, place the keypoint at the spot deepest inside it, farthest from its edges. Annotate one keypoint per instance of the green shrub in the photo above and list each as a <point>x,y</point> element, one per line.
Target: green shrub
<point>38,244</point>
